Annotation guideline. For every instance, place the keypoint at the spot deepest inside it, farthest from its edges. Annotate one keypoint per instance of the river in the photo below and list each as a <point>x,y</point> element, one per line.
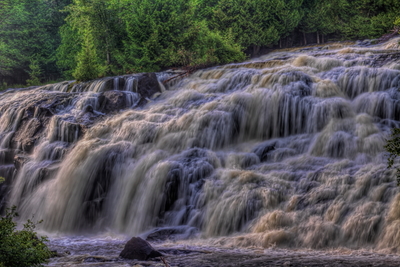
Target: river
<point>279,155</point>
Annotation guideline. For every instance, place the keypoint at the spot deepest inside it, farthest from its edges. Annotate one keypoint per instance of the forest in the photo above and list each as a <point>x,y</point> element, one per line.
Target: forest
<point>43,41</point>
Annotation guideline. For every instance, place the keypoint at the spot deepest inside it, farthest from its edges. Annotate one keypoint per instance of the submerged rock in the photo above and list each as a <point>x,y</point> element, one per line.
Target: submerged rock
<point>139,249</point>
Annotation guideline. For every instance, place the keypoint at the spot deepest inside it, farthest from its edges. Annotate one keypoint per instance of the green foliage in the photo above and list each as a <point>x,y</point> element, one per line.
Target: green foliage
<point>2,180</point>
<point>396,24</point>
<point>167,33</point>
<point>34,73</point>
<point>21,248</point>
<point>397,21</point>
<point>252,23</point>
<point>86,39</point>
<point>323,16</point>
<point>96,31</point>
<point>68,49</point>
<point>87,61</point>
<point>369,18</point>
<point>29,28</point>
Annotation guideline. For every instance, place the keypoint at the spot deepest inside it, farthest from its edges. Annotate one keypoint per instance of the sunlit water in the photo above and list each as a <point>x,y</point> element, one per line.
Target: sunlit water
<point>284,151</point>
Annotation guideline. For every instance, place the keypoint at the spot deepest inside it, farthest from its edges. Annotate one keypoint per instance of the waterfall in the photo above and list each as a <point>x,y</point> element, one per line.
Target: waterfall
<point>283,150</point>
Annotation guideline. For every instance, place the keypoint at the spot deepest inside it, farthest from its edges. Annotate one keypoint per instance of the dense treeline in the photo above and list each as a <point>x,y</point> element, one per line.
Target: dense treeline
<point>42,40</point>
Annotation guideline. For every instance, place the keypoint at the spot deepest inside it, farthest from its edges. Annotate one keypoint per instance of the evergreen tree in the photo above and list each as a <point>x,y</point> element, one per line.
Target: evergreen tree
<point>166,33</point>
<point>28,28</point>
<point>34,73</point>
<point>87,67</point>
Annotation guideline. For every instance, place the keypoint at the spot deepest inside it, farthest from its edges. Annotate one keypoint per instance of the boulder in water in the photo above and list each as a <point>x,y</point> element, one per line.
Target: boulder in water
<point>112,101</point>
<point>139,249</point>
<point>148,85</point>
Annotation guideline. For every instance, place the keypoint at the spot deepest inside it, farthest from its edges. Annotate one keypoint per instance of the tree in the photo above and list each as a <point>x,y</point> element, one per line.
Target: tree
<point>34,73</point>
<point>28,28</point>
<point>97,33</point>
<point>166,33</point>
<point>67,52</point>
<point>323,17</point>
<point>370,18</point>
<point>87,67</point>
<point>252,23</point>
<point>288,16</point>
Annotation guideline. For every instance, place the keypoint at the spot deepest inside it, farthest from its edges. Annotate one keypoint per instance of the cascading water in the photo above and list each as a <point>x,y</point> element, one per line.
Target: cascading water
<point>286,150</point>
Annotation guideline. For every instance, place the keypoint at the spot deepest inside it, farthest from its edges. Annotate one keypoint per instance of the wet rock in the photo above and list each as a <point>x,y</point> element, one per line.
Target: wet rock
<point>7,156</point>
<point>382,60</point>
<point>109,84</point>
<point>65,130</point>
<point>7,171</point>
<point>87,109</point>
<point>172,233</point>
<point>44,112</point>
<point>148,85</point>
<point>367,42</point>
<point>19,161</point>
<point>263,151</point>
<point>139,249</point>
<point>121,83</point>
<point>25,136</point>
<point>112,101</point>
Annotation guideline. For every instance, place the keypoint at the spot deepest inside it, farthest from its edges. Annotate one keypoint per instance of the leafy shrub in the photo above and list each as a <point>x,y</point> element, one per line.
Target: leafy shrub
<point>21,248</point>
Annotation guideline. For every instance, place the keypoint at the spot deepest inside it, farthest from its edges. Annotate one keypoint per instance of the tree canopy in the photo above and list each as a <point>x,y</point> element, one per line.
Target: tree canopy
<point>42,40</point>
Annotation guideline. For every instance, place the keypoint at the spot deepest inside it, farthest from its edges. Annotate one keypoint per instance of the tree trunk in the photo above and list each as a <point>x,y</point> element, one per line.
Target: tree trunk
<point>317,37</point>
<point>305,38</point>
<point>322,38</point>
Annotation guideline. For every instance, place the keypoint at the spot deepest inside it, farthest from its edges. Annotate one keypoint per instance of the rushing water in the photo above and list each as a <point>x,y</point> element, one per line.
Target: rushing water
<point>285,150</point>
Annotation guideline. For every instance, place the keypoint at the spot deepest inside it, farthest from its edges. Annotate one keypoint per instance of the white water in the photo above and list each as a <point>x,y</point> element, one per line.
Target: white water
<point>286,150</point>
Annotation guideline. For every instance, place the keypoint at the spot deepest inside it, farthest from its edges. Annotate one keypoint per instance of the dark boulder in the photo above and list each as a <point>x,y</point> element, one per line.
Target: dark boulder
<point>112,101</point>
<point>139,249</point>
<point>148,85</point>
<point>108,84</point>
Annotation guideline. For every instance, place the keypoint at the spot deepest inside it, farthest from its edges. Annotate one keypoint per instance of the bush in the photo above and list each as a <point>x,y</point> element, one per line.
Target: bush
<point>21,247</point>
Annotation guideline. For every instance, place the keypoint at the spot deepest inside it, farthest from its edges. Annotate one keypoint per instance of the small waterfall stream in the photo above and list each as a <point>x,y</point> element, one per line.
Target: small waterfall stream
<point>284,150</point>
